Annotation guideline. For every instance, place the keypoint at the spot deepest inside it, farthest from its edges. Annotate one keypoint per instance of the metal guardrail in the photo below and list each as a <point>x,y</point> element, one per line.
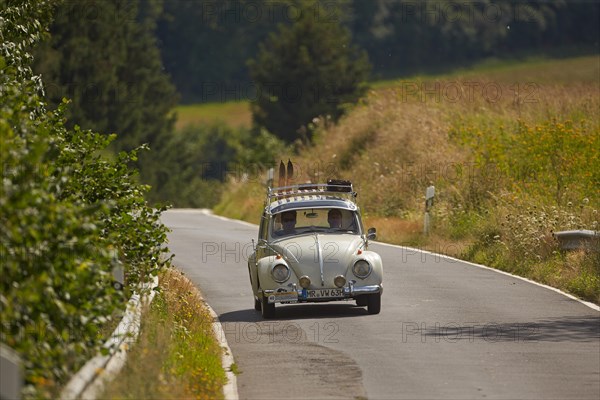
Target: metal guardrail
<point>89,382</point>
<point>578,239</point>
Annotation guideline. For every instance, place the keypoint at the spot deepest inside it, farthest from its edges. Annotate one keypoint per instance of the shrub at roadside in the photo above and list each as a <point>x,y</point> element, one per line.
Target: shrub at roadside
<point>68,216</point>
<point>521,242</point>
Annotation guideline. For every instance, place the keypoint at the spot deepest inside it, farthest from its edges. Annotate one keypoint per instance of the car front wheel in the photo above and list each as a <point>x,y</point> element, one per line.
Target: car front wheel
<point>267,309</point>
<point>257,305</point>
<point>374,303</point>
<point>361,301</point>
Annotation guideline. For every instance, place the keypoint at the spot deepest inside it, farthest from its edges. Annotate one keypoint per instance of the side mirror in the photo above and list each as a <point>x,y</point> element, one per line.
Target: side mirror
<point>372,234</point>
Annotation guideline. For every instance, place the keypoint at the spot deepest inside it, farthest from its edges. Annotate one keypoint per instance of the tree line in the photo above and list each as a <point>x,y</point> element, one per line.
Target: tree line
<point>205,44</point>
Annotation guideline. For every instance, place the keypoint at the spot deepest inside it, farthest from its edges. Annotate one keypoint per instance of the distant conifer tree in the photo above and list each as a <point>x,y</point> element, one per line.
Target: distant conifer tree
<point>307,69</point>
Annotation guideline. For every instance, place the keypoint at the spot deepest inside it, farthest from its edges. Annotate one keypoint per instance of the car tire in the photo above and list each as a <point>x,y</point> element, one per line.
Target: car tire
<point>257,305</point>
<point>267,309</point>
<point>374,303</point>
<point>362,301</point>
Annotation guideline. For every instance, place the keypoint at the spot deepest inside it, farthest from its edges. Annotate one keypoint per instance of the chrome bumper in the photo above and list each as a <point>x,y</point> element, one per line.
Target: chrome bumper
<point>352,290</point>
<point>349,291</point>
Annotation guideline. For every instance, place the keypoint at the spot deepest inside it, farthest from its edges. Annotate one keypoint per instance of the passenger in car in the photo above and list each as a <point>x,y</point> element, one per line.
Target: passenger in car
<point>334,217</point>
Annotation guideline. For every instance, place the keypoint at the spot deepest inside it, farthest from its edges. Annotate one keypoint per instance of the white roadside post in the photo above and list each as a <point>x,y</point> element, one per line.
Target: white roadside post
<point>11,375</point>
<point>429,195</point>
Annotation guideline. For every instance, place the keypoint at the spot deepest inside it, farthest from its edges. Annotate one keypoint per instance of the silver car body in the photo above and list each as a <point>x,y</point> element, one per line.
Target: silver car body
<point>314,262</point>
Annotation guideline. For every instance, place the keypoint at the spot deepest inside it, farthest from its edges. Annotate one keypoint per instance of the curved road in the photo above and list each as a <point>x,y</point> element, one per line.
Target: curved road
<point>447,329</point>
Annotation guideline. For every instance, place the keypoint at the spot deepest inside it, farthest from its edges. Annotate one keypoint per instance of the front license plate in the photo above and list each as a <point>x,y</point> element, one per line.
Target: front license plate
<point>283,297</point>
<point>324,294</point>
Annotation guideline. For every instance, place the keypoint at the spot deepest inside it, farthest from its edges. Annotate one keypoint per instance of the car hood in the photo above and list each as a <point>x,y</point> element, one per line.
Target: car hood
<point>321,257</point>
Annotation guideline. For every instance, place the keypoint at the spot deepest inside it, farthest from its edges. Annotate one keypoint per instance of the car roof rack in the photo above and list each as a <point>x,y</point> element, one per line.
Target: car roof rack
<point>335,188</point>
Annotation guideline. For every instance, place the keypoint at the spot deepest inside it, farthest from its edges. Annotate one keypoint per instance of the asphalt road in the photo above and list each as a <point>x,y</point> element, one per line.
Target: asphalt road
<point>447,329</point>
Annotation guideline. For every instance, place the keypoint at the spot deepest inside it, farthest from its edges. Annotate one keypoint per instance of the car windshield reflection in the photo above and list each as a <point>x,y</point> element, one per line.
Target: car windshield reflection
<point>322,220</point>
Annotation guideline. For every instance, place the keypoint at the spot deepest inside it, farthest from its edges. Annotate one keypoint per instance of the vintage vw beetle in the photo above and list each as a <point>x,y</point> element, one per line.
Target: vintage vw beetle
<point>312,247</point>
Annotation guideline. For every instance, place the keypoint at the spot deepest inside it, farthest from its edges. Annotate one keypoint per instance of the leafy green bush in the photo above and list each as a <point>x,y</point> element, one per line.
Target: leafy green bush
<point>68,216</point>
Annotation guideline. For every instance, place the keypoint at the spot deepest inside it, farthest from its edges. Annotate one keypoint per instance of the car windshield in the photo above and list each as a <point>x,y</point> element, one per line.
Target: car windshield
<point>325,220</point>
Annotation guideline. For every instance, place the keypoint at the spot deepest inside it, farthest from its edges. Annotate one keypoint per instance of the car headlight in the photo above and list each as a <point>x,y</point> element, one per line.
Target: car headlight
<point>280,273</point>
<point>339,281</point>
<point>362,269</point>
<point>304,282</point>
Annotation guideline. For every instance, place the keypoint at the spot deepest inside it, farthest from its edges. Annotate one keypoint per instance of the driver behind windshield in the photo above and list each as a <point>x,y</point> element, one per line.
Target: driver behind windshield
<point>288,222</point>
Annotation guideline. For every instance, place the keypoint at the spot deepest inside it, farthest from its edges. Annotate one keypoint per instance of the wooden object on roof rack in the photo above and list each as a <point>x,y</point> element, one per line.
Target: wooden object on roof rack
<point>290,173</point>
<point>281,180</point>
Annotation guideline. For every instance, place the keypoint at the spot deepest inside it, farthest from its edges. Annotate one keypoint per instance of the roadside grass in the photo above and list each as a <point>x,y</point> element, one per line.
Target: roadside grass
<point>235,114</point>
<point>510,148</point>
<point>176,355</point>
<point>409,232</point>
<point>242,200</point>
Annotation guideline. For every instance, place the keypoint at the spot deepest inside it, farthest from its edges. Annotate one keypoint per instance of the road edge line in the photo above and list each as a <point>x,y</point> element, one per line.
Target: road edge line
<point>230,391</point>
